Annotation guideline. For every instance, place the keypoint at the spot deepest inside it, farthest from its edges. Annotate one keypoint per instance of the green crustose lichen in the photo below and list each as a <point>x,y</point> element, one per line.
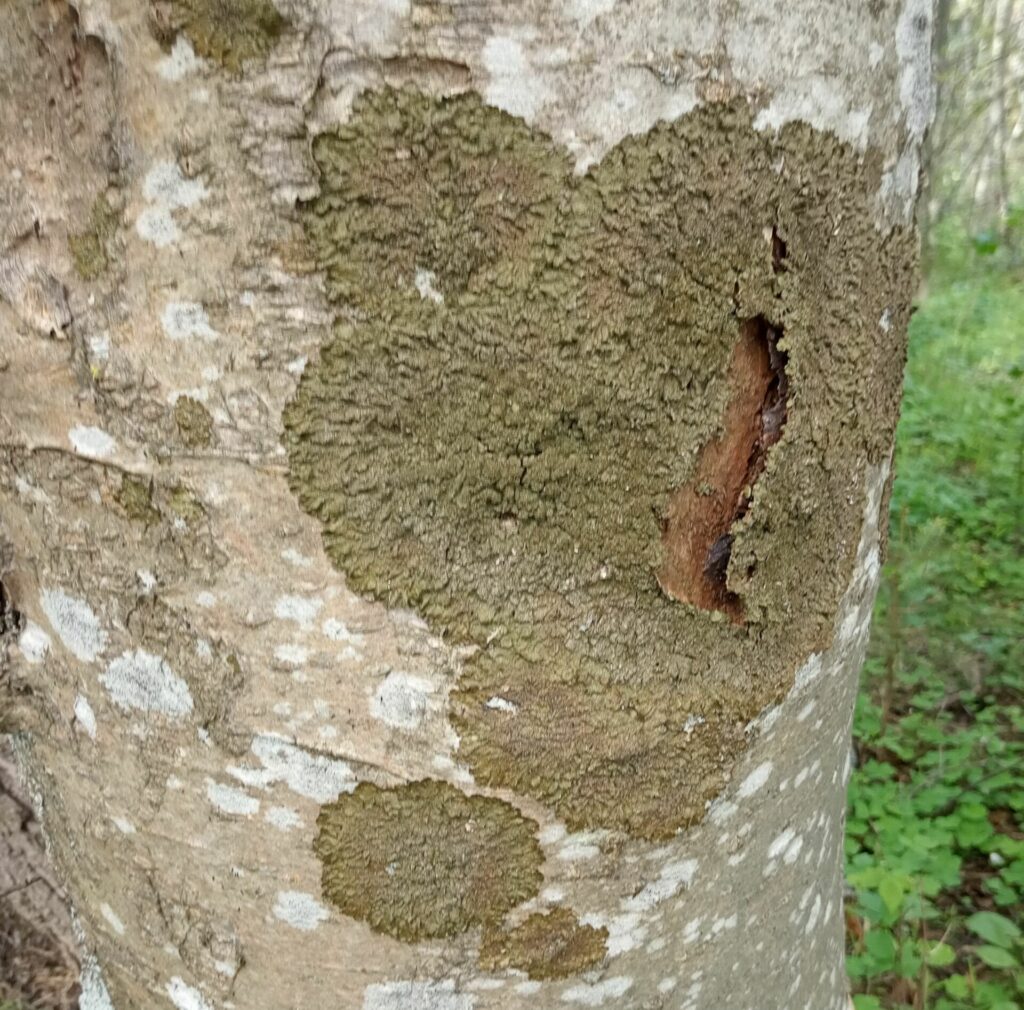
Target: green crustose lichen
<point>527,362</point>
<point>425,860</point>
<point>545,945</point>
<point>194,423</point>
<point>226,31</point>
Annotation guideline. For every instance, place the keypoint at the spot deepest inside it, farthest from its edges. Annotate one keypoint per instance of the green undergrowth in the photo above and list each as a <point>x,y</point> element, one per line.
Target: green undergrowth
<point>935,833</point>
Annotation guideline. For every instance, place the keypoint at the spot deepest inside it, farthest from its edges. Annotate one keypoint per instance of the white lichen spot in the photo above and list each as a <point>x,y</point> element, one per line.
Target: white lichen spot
<point>315,776</point>
<point>165,185</point>
<point>514,85</point>
<point>206,599</point>
<point>144,681</point>
<point>283,818</point>
<point>84,716</point>
<point>76,625</point>
<point>500,704</point>
<point>297,365</point>
<point>88,440</point>
<point>123,825</point>
<point>300,609</point>
<point>291,654</point>
<point>180,62</point>
<point>293,557</point>
<point>806,711</point>
<point>598,993</point>
<point>580,846</point>
<point>185,997</point>
<point>34,643</point>
<point>184,320</point>
<point>401,700</point>
<point>673,878</point>
<point>93,995</point>
<point>721,811</point>
<point>667,984</point>
<point>586,11</point>
<point>755,781</point>
<point>230,800</point>
<point>416,996</point>
<point>156,225</point>
<point>112,919</point>
<point>425,282</point>
<point>299,910</point>
<point>780,842</point>
<point>625,931</point>
<point>528,988</point>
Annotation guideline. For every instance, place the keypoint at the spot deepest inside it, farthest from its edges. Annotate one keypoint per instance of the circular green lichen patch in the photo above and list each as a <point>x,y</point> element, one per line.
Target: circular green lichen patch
<point>425,860</point>
<point>527,364</point>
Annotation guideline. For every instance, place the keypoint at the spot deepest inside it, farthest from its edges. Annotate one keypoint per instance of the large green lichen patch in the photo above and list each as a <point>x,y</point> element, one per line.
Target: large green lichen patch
<point>425,860</point>
<point>527,363</point>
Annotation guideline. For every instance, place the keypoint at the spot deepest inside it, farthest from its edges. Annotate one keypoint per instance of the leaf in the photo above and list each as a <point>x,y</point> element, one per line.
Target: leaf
<point>994,928</point>
<point>891,892</point>
<point>863,1002</point>
<point>957,986</point>
<point>941,955</point>
<point>997,957</point>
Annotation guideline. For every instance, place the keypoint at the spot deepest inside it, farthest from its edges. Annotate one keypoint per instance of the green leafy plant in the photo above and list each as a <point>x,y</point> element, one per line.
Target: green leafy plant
<point>935,830</point>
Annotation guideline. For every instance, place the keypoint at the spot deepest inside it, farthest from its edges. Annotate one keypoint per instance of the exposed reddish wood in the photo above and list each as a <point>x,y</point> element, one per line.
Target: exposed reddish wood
<point>696,536</point>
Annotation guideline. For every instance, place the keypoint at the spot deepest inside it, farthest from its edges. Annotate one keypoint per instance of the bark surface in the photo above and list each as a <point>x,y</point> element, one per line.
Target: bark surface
<point>444,454</point>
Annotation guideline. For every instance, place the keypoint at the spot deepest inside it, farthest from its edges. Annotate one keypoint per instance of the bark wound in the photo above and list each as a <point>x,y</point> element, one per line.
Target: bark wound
<point>696,530</point>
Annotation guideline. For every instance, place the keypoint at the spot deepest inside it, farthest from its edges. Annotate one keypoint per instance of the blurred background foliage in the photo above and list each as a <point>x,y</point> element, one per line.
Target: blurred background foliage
<point>935,846</point>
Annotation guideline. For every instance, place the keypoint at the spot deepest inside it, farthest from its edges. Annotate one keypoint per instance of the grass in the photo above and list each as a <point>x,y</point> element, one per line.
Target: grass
<point>935,832</point>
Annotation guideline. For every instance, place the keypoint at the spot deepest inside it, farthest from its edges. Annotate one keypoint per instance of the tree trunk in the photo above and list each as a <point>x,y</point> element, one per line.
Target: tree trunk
<point>445,452</point>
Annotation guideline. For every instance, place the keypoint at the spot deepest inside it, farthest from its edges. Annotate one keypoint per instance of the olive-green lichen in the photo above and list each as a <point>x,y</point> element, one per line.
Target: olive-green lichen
<point>195,425</point>
<point>227,31</point>
<point>135,496</point>
<point>183,503</point>
<point>545,945</point>
<point>90,249</point>
<point>528,362</point>
<point>425,860</point>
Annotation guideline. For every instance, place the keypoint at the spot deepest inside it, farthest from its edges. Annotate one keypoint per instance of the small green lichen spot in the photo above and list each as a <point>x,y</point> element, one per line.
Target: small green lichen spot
<point>545,945</point>
<point>227,31</point>
<point>185,505</point>
<point>90,249</point>
<point>195,425</point>
<point>135,496</point>
<point>528,362</point>
<point>425,860</point>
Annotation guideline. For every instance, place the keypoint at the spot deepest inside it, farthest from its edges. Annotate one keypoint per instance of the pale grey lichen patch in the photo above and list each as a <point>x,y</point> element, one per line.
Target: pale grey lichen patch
<point>94,995</point>
<point>166,190</point>
<point>315,776</point>
<point>598,993</point>
<point>755,781</point>
<point>84,716</point>
<point>674,877</point>
<point>180,61</point>
<point>113,919</point>
<point>165,184</point>
<point>75,624</point>
<point>300,609</point>
<point>88,440</point>
<point>230,800</point>
<point>282,818</point>
<point>514,85</point>
<point>401,700</point>
<point>299,910</point>
<point>182,320</point>
<point>416,996</point>
<point>144,681</point>
<point>186,997</point>
<point>34,643</point>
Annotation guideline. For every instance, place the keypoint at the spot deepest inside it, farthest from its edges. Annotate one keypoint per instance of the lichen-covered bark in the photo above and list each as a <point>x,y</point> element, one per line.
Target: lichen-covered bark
<point>444,447</point>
